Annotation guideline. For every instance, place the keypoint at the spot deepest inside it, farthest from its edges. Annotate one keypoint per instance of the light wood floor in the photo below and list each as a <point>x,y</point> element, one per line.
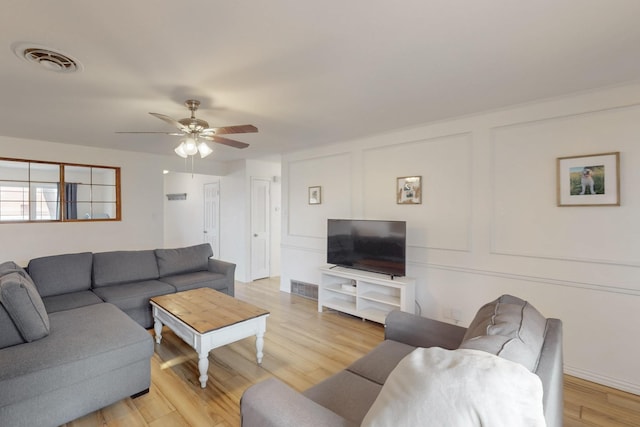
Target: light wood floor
<point>302,347</point>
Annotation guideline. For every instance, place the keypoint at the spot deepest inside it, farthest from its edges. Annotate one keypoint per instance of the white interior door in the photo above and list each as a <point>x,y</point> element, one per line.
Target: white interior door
<point>211,232</point>
<point>260,228</point>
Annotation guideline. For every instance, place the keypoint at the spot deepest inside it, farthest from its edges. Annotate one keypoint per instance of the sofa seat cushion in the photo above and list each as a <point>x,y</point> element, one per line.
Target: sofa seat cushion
<point>345,393</point>
<point>69,301</point>
<point>183,260</point>
<point>508,327</point>
<point>83,343</point>
<point>112,268</point>
<point>379,362</point>
<point>199,279</point>
<point>61,274</point>
<point>129,296</point>
<point>21,300</point>
<point>272,403</point>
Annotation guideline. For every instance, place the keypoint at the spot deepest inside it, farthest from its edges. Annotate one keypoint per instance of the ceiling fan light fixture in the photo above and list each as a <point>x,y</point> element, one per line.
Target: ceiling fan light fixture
<point>180,151</point>
<point>195,130</point>
<point>190,146</point>
<point>204,149</point>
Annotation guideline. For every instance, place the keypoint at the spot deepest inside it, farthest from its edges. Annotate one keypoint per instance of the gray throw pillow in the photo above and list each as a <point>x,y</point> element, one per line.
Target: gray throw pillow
<point>7,267</point>
<point>508,327</point>
<point>21,300</point>
<point>11,267</point>
<point>9,334</point>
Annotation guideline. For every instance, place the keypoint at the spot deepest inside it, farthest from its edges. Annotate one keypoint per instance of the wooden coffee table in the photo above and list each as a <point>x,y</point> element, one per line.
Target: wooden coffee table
<point>206,319</point>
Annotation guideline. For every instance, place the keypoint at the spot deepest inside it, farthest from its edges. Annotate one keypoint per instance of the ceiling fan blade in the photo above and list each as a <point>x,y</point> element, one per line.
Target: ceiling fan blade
<point>171,121</point>
<point>163,133</point>
<point>231,129</point>
<point>226,141</point>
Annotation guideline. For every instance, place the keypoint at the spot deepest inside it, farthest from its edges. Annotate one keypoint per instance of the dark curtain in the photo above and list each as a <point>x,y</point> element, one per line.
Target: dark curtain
<point>71,200</point>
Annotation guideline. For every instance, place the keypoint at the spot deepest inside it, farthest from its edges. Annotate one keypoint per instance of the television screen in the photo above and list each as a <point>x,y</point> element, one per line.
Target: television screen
<point>370,245</point>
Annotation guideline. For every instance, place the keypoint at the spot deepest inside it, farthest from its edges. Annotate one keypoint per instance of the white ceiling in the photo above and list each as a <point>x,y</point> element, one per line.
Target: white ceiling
<point>304,72</point>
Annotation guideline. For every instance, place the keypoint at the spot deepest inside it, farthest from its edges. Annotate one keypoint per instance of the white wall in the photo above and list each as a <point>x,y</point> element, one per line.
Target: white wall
<point>489,224</point>
<point>142,210</point>
<point>145,206</point>
<point>234,233</point>
<point>184,219</point>
<point>142,193</point>
<point>235,202</point>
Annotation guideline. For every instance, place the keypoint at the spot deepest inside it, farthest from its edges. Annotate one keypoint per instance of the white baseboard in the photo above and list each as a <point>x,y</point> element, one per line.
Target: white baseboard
<point>604,380</point>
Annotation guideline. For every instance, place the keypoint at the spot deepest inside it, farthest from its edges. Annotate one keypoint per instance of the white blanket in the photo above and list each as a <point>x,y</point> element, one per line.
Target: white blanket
<point>458,388</point>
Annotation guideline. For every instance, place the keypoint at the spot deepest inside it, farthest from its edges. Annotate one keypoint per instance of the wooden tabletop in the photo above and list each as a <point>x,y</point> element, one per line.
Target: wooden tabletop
<point>206,310</point>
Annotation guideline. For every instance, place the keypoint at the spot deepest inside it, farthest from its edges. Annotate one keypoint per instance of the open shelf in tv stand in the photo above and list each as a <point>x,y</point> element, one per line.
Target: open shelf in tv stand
<point>363,294</point>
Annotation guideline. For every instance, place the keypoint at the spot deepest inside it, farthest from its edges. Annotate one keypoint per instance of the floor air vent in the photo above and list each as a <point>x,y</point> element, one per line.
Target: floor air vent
<point>306,290</point>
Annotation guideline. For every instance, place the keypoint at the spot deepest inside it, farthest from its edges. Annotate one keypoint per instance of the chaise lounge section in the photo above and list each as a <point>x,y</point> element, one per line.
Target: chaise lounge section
<point>72,327</point>
<point>92,357</point>
<point>57,367</point>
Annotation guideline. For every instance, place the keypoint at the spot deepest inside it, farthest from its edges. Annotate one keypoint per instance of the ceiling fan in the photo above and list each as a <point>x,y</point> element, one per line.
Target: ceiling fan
<point>195,130</point>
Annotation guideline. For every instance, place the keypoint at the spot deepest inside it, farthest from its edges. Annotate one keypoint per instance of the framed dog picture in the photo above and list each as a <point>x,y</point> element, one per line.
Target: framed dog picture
<point>409,190</point>
<point>592,180</point>
<point>315,195</point>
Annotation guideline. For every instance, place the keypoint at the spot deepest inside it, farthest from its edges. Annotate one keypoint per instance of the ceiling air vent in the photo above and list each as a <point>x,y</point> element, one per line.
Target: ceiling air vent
<point>47,58</point>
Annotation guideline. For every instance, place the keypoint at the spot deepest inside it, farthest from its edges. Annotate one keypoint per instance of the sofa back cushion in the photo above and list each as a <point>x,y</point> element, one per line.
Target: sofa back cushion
<point>183,260</point>
<point>61,274</point>
<point>22,302</point>
<point>112,268</point>
<point>9,334</point>
<point>510,328</point>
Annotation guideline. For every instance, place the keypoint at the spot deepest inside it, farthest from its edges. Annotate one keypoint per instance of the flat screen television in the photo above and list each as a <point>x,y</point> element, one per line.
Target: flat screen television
<point>369,245</point>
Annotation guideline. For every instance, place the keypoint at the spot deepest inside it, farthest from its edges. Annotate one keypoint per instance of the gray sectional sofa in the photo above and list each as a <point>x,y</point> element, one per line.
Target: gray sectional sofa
<point>72,327</point>
<point>127,279</point>
<point>508,327</point>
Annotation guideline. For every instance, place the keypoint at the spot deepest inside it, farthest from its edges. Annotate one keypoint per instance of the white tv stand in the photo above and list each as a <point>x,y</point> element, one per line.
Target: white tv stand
<point>363,294</point>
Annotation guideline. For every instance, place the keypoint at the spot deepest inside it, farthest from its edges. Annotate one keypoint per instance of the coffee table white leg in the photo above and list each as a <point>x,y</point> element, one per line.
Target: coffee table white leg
<point>157,327</point>
<point>259,346</point>
<point>203,366</point>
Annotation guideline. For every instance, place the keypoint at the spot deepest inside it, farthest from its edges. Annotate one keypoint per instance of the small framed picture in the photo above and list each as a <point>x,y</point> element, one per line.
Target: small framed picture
<point>315,195</point>
<point>591,180</point>
<point>409,190</point>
